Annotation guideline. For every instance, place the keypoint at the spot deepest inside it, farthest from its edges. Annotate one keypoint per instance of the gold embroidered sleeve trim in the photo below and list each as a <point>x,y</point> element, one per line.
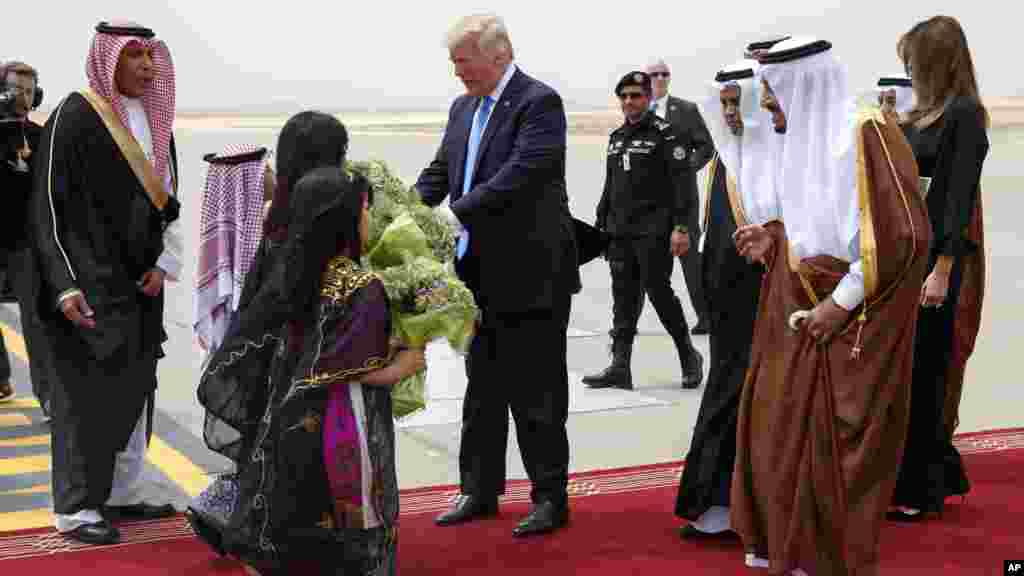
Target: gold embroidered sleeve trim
<point>326,378</point>
<point>342,278</point>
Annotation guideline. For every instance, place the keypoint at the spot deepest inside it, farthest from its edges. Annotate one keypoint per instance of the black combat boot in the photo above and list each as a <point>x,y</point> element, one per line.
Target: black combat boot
<point>690,360</point>
<point>618,375</point>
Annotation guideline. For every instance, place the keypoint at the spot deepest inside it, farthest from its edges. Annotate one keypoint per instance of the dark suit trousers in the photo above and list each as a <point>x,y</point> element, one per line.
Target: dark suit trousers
<point>690,263</point>
<point>518,362</point>
<point>40,365</point>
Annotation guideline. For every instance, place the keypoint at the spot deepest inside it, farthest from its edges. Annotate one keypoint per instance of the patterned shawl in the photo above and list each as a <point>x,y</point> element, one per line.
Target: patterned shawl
<point>230,230</point>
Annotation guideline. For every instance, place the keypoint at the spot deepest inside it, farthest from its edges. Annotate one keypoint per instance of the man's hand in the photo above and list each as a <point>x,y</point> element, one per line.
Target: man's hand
<point>934,290</point>
<point>152,282</point>
<point>753,242</point>
<point>825,320</point>
<point>680,243</point>
<point>78,311</point>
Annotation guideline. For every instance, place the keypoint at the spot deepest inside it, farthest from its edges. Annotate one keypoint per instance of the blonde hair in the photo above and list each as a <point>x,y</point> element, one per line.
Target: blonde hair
<point>490,30</point>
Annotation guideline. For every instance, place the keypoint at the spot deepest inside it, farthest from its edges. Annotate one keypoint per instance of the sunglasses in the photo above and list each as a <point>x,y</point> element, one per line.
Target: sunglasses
<point>632,96</point>
<point>660,75</point>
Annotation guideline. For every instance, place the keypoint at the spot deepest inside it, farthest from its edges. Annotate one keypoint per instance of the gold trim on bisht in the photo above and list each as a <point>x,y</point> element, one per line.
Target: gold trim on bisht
<point>873,292</point>
<point>342,278</point>
<point>707,190</point>
<point>735,200</point>
<point>131,150</point>
<point>868,242</point>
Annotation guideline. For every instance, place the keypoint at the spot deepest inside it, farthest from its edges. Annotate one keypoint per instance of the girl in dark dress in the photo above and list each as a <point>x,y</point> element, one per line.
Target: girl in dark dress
<point>298,395</point>
<point>947,131</point>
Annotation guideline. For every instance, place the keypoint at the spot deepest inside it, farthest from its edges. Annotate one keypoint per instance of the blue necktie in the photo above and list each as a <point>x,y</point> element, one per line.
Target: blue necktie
<point>471,151</point>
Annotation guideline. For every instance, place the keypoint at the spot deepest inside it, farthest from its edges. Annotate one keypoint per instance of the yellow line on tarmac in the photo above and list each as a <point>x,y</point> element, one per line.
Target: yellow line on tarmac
<point>26,519</point>
<point>7,420</point>
<point>170,461</point>
<point>177,467</point>
<point>22,402</point>
<point>14,342</point>
<point>25,465</point>
<point>40,440</point>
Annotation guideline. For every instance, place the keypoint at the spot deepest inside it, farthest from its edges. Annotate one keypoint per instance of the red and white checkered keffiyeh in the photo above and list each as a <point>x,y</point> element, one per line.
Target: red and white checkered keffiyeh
<point>230,230</point>
<point>159,98</point>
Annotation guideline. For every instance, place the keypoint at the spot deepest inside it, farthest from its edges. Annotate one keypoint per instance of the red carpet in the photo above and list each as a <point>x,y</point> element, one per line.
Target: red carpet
<point>622,523</point>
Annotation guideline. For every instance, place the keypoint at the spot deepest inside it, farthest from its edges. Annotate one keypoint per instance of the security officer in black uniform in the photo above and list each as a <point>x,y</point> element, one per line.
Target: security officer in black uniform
<point>645,211</point>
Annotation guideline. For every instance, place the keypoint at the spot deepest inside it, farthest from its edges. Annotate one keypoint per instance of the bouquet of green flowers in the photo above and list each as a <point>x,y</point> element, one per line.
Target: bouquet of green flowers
<point>410,248</point>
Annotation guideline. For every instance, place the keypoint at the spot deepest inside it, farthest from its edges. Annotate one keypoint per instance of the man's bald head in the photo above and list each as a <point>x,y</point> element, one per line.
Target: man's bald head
<point>660,77</point>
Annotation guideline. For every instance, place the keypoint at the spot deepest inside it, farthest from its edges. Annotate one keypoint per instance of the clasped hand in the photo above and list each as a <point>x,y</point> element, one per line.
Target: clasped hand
<point>753,242</point>
<point>823,321</point>
<point>680,243</point>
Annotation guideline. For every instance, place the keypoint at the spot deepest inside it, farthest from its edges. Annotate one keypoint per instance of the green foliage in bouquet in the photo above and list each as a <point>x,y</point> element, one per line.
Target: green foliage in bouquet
<point>392,198</point>
<point>440,234</point>
<point>402,240</point>
<point>384,182</point>
<point>410,246</point>
<point>427,303</point>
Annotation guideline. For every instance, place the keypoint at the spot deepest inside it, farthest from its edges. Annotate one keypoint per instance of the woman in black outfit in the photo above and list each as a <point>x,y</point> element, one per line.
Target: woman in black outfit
<point>947,131</point>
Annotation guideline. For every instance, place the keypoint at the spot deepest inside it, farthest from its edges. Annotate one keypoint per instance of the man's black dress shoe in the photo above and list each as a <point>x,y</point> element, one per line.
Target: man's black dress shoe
<point>97,533</point>
<point>693,373</point>
<point>545,517</point>
<point>897,515</point>
<point>688,532</point>
<point>141,511</point>
<point>468,508</point>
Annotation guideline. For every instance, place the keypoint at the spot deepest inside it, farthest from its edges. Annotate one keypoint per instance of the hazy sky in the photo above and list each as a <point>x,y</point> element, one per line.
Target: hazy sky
<point>302,53</point>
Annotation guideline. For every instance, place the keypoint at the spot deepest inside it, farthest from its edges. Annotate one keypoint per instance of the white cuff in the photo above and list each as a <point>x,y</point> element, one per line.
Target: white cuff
<point>850,291</point>
<point>67,294</point>
<point>170,259</point>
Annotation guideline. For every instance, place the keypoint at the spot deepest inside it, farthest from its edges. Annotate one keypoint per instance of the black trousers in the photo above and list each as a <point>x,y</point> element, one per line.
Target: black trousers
<point>691,265</point>
<point>643,265</point>
<point>19,281</point>
<point>518,362</point>
<point>83,448</point>
<point>5,286</point>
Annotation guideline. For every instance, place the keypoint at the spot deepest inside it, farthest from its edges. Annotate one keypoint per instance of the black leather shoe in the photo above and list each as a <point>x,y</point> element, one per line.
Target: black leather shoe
<point>141,511</point>
<point>545,517</point>
<point>897,515</point>
<point>99,533</point>
<point>468,508</point>
<point>700,329</point>
<point>688,532</point>
<point>615,376</point>
<point>693,373</point>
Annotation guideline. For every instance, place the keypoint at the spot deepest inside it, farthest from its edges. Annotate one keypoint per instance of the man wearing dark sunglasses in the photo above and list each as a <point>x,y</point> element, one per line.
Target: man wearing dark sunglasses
<point>699,147</point>
<point>645,211</point>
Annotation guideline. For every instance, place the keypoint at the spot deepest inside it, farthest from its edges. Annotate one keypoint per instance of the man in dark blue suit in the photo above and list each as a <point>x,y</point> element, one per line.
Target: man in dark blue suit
<point>501,163</point>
